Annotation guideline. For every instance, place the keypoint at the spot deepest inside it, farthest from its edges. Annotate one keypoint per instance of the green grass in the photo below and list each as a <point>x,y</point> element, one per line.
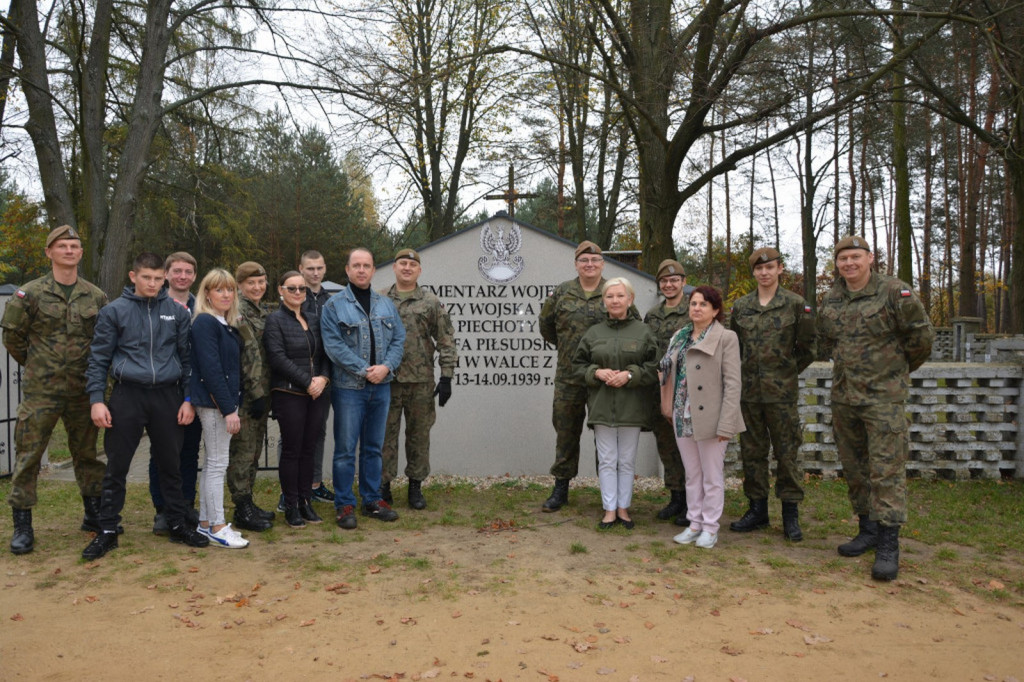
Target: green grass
<point>577,548</point>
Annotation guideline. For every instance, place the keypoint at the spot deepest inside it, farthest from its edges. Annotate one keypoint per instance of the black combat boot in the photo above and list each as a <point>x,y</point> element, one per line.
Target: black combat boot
<point>887,555</point>
<point>248,518</point>
<point>307,512</point>
<point>755,518</point>
<point>91,520</point>
<point>265,514</point>
<point>791,522</point>
<point>385,492</point>
<point>681,520</point>
<point>676,504</point>
<point>559,496</point>
<point>416,500</point>
<point>867,538</point>
<point>24,539</point>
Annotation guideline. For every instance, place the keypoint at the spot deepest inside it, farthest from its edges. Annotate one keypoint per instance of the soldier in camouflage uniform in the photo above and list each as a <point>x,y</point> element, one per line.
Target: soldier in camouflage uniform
<point>247,444</point>
<point>427,328</point>
<point>877,332</point>
<point>777,338</point>
<point>47,329</point>
<point>572,308</point>
<point>665,319</point>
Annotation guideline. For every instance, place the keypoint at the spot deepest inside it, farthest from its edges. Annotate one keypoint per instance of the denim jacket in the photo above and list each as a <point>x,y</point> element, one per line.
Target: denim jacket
<point>345,329</point>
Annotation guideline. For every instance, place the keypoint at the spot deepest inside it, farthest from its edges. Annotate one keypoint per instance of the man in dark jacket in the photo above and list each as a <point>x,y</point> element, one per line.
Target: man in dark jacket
<point>313,269</point>
<point>142,342</point>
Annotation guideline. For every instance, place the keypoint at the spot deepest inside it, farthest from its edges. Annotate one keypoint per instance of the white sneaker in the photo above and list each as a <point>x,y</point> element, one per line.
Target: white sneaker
<point>687,536</point>
<point>226,537</point>
<point>707,540</point>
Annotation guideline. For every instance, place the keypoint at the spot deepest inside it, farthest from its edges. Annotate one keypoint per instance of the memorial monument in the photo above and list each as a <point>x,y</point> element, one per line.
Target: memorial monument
<point>493,277</point>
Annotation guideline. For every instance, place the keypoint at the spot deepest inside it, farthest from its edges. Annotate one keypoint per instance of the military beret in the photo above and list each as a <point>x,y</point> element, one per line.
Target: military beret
<point>764,255</point>
<point>587,247</point>
<point>62,232</point>
<point>408,253</point>
<point>249,269</point>
<point>850,242</point>
<point>669,267</point>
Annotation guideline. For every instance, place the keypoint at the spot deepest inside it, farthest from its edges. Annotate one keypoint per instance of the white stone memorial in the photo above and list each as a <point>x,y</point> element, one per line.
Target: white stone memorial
<point>493,277</point>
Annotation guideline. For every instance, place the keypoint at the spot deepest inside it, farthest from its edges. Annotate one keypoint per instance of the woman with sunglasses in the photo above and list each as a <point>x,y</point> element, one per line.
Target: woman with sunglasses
<point>298,377</point>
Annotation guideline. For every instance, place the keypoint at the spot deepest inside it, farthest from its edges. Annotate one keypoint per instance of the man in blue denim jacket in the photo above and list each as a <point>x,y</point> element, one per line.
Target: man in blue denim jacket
<point>364,337</point>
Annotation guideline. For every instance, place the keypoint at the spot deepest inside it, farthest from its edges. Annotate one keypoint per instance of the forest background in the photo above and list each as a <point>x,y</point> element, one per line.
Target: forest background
<point>256,129</point>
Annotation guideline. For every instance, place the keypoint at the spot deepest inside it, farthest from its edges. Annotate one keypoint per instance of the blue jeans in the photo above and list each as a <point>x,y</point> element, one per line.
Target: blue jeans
<point>360,419</point>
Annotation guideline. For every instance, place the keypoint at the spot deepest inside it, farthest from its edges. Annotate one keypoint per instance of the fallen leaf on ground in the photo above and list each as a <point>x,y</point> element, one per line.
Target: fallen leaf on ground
<point>307,623</point>
<point>605,671</point>
<point>17,616</point>
<point>456,614</point>
<point>816,639</point>
<point>730,650</point>
<point>649,625</point>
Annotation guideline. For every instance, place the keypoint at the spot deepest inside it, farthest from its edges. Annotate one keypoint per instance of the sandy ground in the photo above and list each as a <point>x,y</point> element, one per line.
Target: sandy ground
<point>494,603</point>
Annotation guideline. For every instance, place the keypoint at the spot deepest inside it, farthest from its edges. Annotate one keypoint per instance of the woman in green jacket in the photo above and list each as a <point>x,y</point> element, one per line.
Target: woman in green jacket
<point>619,362</point>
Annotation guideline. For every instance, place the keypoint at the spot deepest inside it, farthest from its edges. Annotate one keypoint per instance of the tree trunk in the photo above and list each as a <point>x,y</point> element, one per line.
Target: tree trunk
<point>901,217</point>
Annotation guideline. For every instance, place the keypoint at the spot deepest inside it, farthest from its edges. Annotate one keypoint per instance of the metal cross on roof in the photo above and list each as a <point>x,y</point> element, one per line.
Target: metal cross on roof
<point>512,196</point>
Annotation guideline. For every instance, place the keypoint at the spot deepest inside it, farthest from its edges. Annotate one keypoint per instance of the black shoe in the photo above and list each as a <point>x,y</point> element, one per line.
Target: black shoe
<point>322,493</point>
<point>559,496</point>
<point>280,504</point>
<point>385,492</point>
<point>100,545</point>
<point>675,506</point>
<point>887,554</point>
<point>867,538</point>
<point>188,535</point>
<point>160,526</point>
<point>380,510</point>
<point>791,522</point>
<point>755,518</point>
<point>416,500</point>
<point>264,514</point>
<point>307,512</point>
<point>247,517</point>
<point>681,520</point>
<point>293,517</point>
<point>91,520</point>
<point>607,525</point>
<point>24,539</point>
<point>347,518</point>
<point>628,524</point>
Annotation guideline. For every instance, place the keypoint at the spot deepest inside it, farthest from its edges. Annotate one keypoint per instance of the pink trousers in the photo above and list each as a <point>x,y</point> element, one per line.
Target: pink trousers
<point>704,462</point>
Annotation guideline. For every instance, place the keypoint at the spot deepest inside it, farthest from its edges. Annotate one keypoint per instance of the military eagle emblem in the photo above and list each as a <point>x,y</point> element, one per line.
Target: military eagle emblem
<point>500,241</point>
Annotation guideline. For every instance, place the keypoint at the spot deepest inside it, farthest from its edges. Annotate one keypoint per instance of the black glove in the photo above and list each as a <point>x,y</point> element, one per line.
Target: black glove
<point>258,408</point>
<point>443,390</point>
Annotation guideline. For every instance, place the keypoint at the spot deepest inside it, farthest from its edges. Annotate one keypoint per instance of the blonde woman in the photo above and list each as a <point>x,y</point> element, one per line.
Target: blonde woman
<point>618,360</point>
<point>215,389</point>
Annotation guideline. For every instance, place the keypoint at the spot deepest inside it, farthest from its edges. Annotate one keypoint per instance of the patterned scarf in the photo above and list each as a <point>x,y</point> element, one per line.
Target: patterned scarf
<point>680,343</point>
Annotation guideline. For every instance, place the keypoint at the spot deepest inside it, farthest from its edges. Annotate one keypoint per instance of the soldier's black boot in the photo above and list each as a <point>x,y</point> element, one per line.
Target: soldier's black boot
<point>91,520</point>
<point>887,555</point>
<point>791,522</point>
<point>416,500</point>
<point>676,504</point>
<point>755,518</point>
<point>265,514</point>
<point>248,518</point>
<point>24,539</point>
<point>385,492</point>
<point>559,496</point>
<point>867,538</point>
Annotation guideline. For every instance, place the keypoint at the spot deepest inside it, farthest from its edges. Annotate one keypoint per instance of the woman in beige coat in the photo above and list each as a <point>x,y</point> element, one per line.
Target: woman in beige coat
<point>701,397</point>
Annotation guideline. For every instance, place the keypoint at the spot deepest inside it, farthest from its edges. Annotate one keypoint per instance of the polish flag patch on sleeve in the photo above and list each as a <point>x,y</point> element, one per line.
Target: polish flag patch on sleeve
<point>904,293</point>
<point>20,294</point>
<point>807,308</point>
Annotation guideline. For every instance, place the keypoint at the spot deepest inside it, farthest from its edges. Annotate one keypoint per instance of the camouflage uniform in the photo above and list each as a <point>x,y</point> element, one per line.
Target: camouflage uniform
<point>567,313</point>
<point>876,337</point>
<point>664,323</point>
<point>777,342</point>
<point>427,328</point>
<point>49,334</point>
<point>247,445</point>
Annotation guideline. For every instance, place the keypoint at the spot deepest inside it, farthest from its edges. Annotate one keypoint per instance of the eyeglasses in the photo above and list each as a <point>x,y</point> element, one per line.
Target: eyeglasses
<point>295,290</point>
<point>674,279</point>
<point>590,261</point>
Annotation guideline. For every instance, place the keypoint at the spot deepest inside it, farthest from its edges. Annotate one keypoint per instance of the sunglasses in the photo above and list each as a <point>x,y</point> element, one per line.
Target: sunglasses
<point>295,290</point>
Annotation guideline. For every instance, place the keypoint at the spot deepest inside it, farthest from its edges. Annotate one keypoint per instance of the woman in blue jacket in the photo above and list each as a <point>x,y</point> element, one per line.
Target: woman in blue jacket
<point>215,388</point>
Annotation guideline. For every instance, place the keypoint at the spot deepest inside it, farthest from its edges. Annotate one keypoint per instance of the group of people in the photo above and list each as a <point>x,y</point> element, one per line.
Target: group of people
<point>710,380</point>
<point>211,368</point>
